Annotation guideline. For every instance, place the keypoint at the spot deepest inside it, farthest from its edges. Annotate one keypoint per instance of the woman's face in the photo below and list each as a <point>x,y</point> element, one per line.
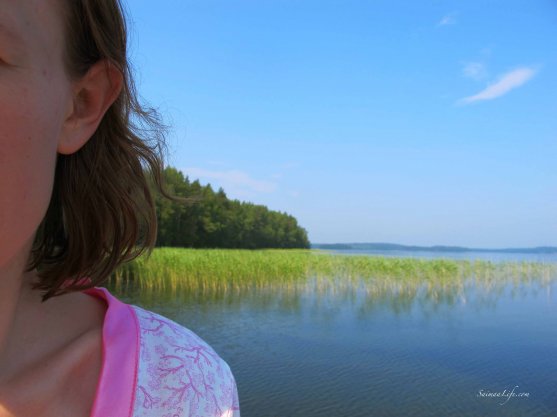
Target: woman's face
<point>35,97</point>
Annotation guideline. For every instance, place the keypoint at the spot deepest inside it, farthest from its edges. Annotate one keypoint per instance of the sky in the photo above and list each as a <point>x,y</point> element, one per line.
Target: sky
<point>410,122</point>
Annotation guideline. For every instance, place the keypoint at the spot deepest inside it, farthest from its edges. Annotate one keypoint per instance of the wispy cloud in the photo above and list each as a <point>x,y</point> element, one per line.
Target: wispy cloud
<point>507,82</point>
<point>232,181</point>
<point>449,19</point>
<point>475,70</point>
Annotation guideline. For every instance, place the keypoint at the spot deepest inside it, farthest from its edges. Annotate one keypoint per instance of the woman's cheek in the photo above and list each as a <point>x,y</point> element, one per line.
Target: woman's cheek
<point>27,163</point>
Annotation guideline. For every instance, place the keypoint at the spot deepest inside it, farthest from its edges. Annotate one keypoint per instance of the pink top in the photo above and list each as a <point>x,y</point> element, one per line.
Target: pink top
<point>154,367</point>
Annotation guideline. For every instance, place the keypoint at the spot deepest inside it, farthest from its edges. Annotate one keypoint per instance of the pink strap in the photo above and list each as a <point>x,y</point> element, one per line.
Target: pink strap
<point>115,393</point>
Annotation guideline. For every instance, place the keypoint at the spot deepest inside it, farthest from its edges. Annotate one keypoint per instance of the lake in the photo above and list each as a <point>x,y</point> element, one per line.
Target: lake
<point>464,255</point>
<point>381,349</point>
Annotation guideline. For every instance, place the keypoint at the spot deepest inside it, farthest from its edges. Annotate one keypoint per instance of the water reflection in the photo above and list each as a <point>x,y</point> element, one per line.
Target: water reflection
<point>362,295</point>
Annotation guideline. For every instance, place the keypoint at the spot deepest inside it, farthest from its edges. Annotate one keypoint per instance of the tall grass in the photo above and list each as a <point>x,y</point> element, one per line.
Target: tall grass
<point>218,270</point>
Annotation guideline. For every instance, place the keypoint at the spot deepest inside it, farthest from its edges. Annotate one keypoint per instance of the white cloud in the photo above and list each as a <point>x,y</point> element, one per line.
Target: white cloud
<point>449,19</point>
<point>232,181</point>
<point>475,70</point>
<point>506,83</point>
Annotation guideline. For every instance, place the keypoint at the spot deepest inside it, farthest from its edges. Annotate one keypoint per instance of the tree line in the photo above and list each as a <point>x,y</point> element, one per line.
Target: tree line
<point>214,221</point>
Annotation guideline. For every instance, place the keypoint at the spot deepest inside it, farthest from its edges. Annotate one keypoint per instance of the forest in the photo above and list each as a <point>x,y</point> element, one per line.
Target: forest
<point>212,220</point>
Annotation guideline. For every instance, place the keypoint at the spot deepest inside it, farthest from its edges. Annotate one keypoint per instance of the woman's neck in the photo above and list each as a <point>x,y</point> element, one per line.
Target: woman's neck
<point>21,323</point>
<point>31,329</point>
<point>50,350</point>
<point>15,296</point>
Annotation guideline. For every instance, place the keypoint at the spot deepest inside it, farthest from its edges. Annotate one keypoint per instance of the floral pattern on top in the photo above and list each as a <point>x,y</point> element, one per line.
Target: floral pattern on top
<point>179,374</point>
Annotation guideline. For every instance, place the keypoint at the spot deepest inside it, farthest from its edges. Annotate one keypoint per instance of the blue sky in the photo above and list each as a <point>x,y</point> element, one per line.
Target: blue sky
<point>412,122</point>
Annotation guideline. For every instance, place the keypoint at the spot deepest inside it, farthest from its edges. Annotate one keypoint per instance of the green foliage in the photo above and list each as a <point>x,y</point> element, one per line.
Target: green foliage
<point>217,222</point>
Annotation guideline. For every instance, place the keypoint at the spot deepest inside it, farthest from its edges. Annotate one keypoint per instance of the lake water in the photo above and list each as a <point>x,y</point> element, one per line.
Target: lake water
<point>381,351</point>
<point>469,255</point>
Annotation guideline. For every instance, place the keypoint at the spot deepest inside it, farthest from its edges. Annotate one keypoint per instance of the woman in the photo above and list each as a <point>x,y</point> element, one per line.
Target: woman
<point>74,203</point>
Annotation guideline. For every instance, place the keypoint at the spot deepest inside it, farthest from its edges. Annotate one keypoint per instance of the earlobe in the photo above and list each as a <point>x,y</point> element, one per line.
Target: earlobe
<point>93,95</point>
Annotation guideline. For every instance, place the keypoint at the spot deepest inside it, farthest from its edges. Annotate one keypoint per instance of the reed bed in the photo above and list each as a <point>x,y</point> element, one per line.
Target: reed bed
<point>239,270</point>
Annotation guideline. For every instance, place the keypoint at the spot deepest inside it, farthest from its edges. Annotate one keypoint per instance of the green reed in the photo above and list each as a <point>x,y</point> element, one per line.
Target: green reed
<point>211,270</point>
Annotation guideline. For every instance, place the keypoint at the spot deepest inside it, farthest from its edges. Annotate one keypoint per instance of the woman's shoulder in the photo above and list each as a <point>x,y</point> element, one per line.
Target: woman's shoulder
<point>179,374</point>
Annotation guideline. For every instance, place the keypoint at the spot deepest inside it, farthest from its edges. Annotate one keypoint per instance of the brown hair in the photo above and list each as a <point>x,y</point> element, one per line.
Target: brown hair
<point>101,212</point>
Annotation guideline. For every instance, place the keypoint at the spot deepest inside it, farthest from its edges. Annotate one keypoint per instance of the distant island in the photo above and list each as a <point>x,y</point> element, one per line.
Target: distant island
<point>395,247</point>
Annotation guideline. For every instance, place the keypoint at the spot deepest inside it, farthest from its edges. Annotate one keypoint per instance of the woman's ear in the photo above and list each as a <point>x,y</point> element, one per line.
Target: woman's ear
<point>92,96</point>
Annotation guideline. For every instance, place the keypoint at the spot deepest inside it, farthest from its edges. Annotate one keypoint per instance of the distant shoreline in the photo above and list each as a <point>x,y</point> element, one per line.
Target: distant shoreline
<point>440,248</point>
